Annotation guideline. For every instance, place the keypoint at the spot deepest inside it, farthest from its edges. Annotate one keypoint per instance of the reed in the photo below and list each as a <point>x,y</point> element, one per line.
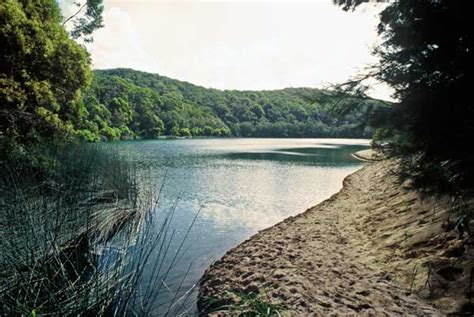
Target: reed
<point>78,235</point>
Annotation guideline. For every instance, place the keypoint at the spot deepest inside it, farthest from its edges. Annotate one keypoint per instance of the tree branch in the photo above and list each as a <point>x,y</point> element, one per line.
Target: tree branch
<point>75,14</point>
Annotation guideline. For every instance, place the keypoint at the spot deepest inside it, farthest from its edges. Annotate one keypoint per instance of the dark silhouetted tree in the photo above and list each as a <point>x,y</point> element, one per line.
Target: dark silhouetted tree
<point>426,50</point>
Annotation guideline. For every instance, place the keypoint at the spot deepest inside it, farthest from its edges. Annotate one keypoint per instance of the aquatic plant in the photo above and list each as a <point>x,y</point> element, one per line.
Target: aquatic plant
<point>77,236</point>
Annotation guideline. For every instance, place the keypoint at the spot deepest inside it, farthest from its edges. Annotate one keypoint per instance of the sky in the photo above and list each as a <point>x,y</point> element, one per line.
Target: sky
<point>244,45</point>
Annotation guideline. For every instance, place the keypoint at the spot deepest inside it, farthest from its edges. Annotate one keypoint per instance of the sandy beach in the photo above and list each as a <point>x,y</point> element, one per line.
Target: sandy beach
<point>374,248</point>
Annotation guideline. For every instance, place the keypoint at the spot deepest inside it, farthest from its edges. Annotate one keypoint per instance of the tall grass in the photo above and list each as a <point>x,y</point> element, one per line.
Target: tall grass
<point>77,236</point>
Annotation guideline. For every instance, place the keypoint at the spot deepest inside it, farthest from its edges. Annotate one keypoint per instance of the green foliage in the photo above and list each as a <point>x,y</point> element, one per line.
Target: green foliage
<point>86,19</point>
<point>41,72</point>
<point>255,305</point>
<point>151,105</point>
<point>425,56</point>
<point>251,304</point>
<point>48,94</point>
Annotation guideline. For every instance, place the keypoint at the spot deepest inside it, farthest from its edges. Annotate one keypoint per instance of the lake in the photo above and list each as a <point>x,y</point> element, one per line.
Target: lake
<point>238,186</point>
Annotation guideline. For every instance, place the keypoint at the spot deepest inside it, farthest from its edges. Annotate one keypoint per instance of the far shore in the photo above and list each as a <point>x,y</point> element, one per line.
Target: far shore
<point>176,137</point>
<point>373,248</point>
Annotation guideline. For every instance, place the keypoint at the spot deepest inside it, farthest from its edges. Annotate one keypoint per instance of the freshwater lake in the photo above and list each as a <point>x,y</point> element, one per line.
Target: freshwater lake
<point>239,186</point>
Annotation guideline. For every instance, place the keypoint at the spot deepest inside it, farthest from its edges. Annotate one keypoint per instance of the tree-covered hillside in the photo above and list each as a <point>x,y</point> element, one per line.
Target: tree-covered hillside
<point>124,103</point>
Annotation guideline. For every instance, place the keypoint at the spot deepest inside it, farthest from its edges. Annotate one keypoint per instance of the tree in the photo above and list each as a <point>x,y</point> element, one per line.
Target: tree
<point>171,105</point>
<point>86,19</point>
<point>426,50</point>
<point>41,73</point>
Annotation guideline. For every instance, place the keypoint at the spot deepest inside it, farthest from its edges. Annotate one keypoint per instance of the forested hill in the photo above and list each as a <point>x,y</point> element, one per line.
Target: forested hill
<point>124,103</point>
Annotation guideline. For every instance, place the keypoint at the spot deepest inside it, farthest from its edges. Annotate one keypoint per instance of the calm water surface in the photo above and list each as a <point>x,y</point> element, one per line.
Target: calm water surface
<point>240,186</point>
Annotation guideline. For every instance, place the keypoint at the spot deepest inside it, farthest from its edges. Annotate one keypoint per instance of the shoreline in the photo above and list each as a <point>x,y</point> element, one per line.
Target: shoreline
<point>371,248</point>
<point>368,156</point>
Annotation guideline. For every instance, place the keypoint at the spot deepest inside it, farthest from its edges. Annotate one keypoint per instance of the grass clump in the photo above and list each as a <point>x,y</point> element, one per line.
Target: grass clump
<point>77,234</point>
<point>251,304</point>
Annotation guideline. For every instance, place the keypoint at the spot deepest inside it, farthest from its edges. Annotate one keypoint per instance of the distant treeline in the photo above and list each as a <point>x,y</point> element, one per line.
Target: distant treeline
<point>127,104</point>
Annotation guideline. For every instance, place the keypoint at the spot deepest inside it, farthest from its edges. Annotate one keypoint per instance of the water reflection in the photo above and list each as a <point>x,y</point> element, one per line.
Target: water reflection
<point>240,185</point>
<point>322,156</point>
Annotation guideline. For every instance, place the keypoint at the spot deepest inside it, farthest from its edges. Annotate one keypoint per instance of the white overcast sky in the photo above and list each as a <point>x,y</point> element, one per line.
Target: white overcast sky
<point>245,45</point>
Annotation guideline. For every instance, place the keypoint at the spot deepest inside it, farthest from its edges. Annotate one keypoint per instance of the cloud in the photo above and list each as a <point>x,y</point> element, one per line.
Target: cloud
<point>119,44</point>
<point>68,7</point>
<point>242,45</point>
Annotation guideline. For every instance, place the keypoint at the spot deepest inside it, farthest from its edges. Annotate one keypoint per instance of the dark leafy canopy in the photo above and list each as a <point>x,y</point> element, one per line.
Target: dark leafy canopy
<point>123,103</point>
<point>428,45</point>
<point>41,72</point>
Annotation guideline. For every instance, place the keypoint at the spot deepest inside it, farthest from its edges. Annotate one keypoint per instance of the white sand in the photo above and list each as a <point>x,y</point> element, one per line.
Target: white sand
<point>359,252</point>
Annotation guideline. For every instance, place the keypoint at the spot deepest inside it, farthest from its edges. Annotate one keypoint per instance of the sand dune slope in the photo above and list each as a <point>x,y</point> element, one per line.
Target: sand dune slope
<point>359,252</point>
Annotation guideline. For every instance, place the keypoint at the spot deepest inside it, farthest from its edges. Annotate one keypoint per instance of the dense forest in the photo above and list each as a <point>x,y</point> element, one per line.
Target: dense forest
<point>124,104</point>
<point>49,94</point>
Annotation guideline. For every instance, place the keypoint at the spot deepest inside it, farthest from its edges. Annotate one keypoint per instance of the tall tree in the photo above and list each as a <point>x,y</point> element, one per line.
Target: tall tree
<point>41,72</point>
<point>426,50</point>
